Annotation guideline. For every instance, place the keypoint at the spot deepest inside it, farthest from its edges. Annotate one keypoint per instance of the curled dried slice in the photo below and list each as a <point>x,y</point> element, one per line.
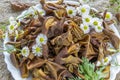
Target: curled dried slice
<point>63,53</point>
<point>49,22</point>
<point>59,13</point>
<point>24,71</point>
<point>50,7</point>
<point>88,49</point>
<point>35,63</point>
<point>118,16</point>
<point>40,75</point>
<point>75,31</point>
<point>14,60</point>
<point>113,38</point>
<point>74,49</point>
<point>71,60</point>
<point>63,40</point>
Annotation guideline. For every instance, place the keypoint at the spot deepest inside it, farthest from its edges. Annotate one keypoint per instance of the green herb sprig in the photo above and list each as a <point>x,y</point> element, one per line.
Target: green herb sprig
<point>88,70</point>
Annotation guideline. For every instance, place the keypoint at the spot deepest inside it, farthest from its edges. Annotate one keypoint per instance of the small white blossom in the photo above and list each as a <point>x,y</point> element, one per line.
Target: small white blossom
<point>85,28</point>
<point>32,11</point>
<point>71,11</point>
<point>83,1</point>
<point>99,28</point>
<point>13,25</point>
<point>87,19</point>
<point>11,29</point>
<point>96,22</point>
<point>83,10</point>
<point>108,16</point>
<point>41,39</point>
<point>14,22</point>
<point>107,60</point>
<point>39,9</point>
<point>104,62</point>
<point>25,51</point>
<point>37,50</point>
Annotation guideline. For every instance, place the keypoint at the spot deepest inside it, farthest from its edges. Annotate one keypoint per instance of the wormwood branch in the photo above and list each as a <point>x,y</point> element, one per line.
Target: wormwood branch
<point>88,70</point>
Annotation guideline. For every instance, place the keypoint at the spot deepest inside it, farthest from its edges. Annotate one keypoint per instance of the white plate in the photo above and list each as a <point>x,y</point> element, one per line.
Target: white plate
<point>16,73</point>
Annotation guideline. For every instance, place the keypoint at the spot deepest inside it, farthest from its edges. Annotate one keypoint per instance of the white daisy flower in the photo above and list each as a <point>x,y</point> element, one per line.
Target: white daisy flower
<point>71,11</point>
<point>99,28</point>
<point>83,10</point>
<point>39,9</point>
<point>107,60</point>
<point>14,22</point>
<point>31,11</point>
<point>41,39</point>
<point>83,1</point>
<point>85,28</point>
<point>108,16</point>
<point>96,22</point>
<point>37,50</point>
<point>87,19</point>
<point>25,51</point>
<point>11,29</point>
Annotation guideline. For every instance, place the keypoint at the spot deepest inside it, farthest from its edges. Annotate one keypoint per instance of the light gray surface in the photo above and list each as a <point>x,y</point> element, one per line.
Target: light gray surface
<point>6,12</point>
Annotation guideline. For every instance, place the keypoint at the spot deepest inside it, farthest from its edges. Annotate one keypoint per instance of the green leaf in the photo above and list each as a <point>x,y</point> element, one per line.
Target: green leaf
<point>88,70</point>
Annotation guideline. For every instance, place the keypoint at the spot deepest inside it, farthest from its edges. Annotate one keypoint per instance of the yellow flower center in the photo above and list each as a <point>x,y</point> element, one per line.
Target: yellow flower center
<point>106,60</point>
<point>99,27</point>
<point>38,49</point>
<point>70,11</point>
<point>87,19</point>
<point>95,23</point>
<point>11,27</point>
<point>85,27</point>
<point>41,39</point>
<point>83,10</point>
<point>107,16</point>
<point>24,51</point>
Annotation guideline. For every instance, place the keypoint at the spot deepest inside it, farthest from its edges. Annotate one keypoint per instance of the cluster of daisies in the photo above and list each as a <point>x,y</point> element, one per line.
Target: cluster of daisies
<point>36,48</point>
<point>88,20</point>
<point>14,28</point>
<point>32,11</point>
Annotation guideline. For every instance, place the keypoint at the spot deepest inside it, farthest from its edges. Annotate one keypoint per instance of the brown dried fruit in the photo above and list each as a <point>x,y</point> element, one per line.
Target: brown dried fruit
<point>14,60</point>
<point>113,38</point>
<point>24,71</point>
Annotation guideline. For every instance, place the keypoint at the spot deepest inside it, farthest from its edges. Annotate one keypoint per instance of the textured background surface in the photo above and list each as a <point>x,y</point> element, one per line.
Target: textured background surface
<point>6,12</point>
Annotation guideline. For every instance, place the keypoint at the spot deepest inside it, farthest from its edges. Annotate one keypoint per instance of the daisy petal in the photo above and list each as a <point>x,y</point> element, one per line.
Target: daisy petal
<point>37,50</point>
<point>25,51</point>
<point>71,11</point>
<point>41,39</point>
<point>83,10</point>
<point>85,28</point>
